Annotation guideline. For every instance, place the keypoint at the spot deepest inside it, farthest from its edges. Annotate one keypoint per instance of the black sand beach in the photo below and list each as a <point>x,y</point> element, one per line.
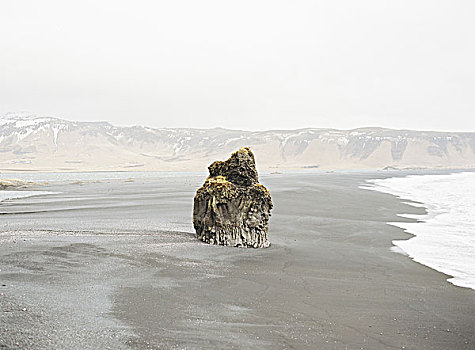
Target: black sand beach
<point>114,265</point>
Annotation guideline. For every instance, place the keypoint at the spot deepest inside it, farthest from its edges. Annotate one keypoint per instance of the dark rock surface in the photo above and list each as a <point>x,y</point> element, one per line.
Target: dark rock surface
<point>232,208</point>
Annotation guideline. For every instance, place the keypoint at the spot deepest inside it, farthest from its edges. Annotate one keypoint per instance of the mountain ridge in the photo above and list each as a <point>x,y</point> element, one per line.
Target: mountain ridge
<point>44,143</point>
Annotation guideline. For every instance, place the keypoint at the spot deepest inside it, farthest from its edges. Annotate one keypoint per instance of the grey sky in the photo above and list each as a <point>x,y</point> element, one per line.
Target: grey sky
<point>242,64</point>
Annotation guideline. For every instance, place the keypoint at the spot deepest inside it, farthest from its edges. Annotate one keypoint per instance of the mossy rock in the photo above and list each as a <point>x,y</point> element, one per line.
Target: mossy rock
<point>232,208</point>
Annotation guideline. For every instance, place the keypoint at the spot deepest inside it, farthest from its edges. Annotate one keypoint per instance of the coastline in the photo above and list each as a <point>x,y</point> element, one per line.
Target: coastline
<point>328,281</point>
<point>443,236</point>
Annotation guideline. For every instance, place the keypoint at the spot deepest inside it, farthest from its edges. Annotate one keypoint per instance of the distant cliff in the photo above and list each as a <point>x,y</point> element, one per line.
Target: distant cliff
<point>46,144</point>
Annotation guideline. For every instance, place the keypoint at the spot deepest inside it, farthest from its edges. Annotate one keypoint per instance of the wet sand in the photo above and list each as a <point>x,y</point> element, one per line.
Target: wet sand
<point>119,268</point>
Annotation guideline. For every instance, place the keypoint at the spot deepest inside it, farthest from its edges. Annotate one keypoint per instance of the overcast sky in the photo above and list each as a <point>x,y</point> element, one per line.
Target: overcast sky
<point>242,64</point>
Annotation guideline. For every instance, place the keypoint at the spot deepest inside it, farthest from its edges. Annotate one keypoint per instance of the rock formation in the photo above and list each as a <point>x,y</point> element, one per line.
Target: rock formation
<point>232,208</point>
<point>6,184</point>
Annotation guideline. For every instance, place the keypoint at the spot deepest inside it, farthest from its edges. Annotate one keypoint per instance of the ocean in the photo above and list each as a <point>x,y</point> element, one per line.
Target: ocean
<point>444,238</point>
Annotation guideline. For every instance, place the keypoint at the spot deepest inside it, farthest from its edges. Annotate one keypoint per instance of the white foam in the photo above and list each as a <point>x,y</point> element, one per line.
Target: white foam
<point>445,237</point>
<point>4,195</point>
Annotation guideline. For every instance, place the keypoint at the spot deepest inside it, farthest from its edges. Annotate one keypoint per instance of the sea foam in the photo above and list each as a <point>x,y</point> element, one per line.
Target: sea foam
<point>445,237</point>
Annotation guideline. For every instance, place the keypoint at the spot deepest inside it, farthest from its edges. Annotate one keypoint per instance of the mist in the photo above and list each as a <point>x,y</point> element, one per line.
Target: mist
<point>249,65</point>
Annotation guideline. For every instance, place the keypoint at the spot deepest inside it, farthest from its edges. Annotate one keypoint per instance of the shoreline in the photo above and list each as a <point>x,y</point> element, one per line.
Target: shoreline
<point>329,280</point>
<point>441,237</point>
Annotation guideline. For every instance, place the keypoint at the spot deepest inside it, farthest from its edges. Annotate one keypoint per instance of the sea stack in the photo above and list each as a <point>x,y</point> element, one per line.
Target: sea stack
<point>232,208</point>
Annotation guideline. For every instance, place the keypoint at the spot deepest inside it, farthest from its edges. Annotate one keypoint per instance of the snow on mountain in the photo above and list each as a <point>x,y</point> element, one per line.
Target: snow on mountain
<point>29,142</point>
